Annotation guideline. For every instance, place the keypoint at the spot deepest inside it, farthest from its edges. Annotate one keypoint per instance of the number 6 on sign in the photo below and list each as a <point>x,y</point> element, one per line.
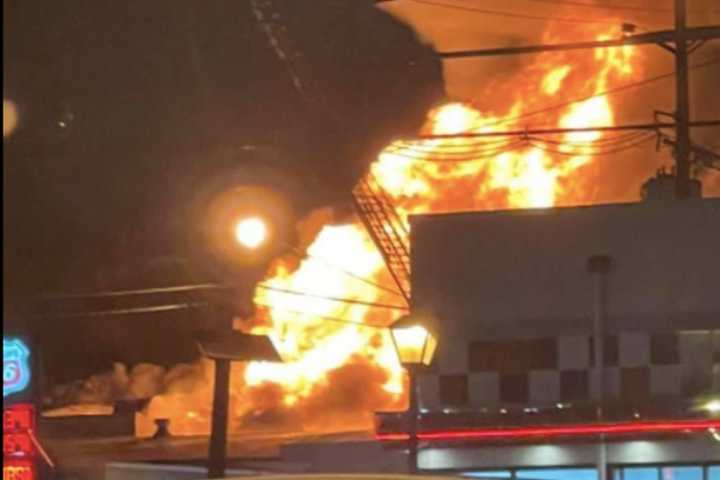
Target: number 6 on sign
<point>16,369</point>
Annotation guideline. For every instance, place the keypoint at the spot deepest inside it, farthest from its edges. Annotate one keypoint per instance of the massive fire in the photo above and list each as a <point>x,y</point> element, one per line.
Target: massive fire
<point>340,365</point>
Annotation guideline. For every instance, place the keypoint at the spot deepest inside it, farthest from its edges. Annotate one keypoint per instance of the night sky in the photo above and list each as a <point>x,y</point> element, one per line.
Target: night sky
<point>126,110</point>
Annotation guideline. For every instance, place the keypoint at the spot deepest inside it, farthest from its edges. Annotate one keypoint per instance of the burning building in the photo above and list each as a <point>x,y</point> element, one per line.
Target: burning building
<point>327,309</point>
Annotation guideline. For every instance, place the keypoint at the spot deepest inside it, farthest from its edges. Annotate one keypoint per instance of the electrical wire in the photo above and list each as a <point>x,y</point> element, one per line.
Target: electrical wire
<point>350,274</point>
<point>461,147</point>
<point>421,147</point>
<point>633,8</point>
<point>322,317</point>
<point>614,139</point>
<point>450,156</point>
<point>531,141</point>
<point>395,147</point>
<point>598,143</point>
<point>500,13</point>
<point>127,311</point>
<point>431,157</point>
<point>350,301</point>
<point>123,293</point>
<point>209,286</point>
<point>617,141</point>
<point>611,91</point>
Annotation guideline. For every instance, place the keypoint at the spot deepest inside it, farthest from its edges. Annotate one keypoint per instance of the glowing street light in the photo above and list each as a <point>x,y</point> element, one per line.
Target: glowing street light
<point>415,346</point>
<point>712,406</point>
<point>242,227</point>
<point>251,232</point>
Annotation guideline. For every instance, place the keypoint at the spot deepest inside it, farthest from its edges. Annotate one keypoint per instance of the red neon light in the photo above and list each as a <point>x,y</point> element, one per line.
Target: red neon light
<point>18,470</point>
<point>18,445</point>
<point>20,417</point>
<point>583,429</point>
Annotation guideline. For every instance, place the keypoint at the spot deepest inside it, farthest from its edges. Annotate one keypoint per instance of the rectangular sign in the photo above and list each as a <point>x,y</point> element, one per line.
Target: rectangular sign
<point>18,418</point>
<point>18,445</point>
<point>18,470</point>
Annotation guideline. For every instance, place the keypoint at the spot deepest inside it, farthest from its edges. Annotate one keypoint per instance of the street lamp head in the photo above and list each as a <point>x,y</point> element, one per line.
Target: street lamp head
<point>241,228</point>
<point>414,342</point>
<point>712,406</point>
<point>251,232</point>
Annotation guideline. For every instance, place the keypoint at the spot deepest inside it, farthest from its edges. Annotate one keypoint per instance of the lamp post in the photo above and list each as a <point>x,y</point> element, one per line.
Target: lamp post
<point>223,348</point>
<point>415,346</point>
<point>249,235</point>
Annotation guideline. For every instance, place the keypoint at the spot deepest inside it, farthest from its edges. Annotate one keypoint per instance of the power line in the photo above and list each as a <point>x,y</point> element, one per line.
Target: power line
<point>123,293</point>
<point>594,153</point>
<point>615,146</point>
<point>461,148</point>
<point>346,272</point>
<point>127,311</point>
<point>468,147</point>
<point>331,298</point>
<point>614,139</point>
<point>618,140</point>
<point>322,317</point>
<point>611,91</point>
<point>552,131</point>
<point>208,286</point>
<point>494,147</point>
<point>633,8</point>
<point>470,154</point>
<point>662,38</point>
<point>432,157</point>
<point>499,13</point>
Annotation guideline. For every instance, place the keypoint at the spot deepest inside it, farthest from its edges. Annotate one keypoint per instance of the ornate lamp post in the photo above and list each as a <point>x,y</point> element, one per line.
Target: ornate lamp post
<point>415,346</point>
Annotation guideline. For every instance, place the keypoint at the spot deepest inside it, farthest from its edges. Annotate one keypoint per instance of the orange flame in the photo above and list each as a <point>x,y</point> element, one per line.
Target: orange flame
<point>339,365</point>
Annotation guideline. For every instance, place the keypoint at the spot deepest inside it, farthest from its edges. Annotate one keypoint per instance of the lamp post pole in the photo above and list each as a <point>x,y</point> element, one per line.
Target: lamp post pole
<point>413,420</point>
<point>599,266</point>
<point>218,432</point>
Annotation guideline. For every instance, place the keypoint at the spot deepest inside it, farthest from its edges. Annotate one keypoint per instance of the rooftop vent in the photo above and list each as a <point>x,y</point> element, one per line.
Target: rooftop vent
<point>662,187</point>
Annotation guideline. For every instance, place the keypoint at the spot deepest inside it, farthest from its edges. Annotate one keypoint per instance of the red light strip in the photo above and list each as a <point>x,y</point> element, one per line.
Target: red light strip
<point>583,429</point>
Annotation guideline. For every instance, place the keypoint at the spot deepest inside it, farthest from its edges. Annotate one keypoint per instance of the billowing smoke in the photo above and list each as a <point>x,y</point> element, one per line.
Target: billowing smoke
<point>346,394</point>
<point>142,381</point>
<point>10,117</point>
<point>335,396</point>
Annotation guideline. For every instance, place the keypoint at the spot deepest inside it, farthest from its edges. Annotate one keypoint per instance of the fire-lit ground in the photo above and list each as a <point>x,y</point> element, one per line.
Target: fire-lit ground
<point>339,365</point>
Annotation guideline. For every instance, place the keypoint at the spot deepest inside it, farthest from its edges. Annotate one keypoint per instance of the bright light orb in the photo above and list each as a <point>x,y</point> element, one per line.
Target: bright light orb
<point>251,232</point>
<point>712,407</point>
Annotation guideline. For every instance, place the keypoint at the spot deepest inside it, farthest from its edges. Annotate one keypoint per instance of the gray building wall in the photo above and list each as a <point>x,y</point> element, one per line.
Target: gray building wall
<point>514,275</point>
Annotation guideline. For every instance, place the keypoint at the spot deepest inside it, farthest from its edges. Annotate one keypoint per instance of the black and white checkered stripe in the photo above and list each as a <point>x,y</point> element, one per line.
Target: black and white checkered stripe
<point>697,367</point>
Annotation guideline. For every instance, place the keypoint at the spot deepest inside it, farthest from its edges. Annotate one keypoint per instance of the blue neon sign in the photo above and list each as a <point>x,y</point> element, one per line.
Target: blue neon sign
<point>16,367</point>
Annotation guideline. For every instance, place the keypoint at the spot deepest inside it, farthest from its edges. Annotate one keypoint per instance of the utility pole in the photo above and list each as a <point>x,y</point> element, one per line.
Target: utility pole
<point>682,100</point>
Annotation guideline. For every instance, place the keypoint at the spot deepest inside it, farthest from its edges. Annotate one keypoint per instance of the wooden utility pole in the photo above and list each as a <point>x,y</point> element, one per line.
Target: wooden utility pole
<point>682,102</point>
<point>681,42</point>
